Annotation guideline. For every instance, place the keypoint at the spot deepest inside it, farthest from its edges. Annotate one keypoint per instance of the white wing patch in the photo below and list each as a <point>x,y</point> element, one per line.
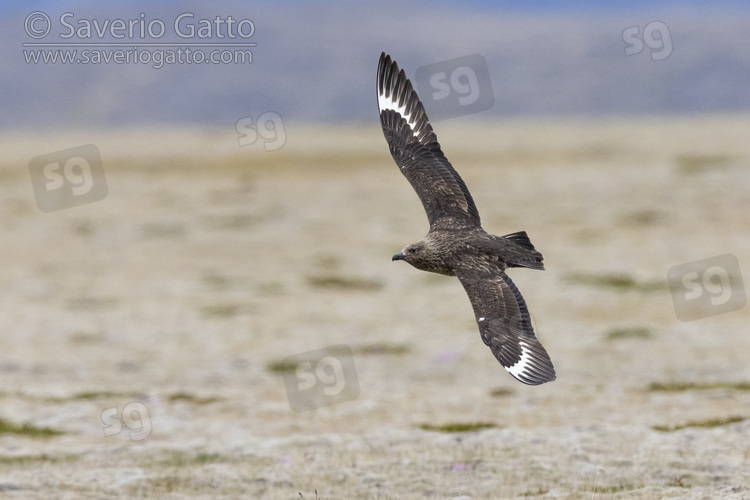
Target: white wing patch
<point>388,103</point>
<point>523,364</point>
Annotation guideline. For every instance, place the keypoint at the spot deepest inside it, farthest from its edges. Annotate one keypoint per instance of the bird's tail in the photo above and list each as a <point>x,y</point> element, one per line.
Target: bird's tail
<point>529,256</point>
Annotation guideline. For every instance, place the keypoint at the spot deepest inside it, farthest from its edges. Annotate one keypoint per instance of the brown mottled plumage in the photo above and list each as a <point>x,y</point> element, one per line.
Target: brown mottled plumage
<point>456,244</point>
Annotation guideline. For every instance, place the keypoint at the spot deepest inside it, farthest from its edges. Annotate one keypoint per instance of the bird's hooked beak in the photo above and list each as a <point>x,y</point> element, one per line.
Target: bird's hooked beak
<point>398,256</point>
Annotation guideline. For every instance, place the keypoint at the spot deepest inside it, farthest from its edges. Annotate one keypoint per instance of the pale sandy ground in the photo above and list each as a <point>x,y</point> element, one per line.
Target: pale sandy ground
<point>207,262</point>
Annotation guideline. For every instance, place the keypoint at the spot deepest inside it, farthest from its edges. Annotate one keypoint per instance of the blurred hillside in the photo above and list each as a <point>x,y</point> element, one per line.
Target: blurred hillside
<point>316,61</point>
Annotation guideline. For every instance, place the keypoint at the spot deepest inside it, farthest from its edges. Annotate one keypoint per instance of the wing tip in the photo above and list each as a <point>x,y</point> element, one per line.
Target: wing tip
<point>387,82</point>
<point>535,366</point>
<point>397,94</point>
<point>537,380</point>
<point>405,125</point>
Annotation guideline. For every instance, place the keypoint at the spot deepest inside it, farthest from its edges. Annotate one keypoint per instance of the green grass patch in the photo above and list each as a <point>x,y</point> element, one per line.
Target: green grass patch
<point>27,430</point>
<point>697,163</point>
<point>94,395</point>
<point>334,281</point>
<point>501,392</point>
<point>608,490</point>
<point>130,396</point>
<point>186,459</point>
<point>693,386</point>
<point>209,458</point>
<point>706,424</point>
<point>327,261</point>
<point>161,230</point>
<point>232,221</point>
<point>534,493</point>
<point>90,395</point>
<point>92,303</point>
<point>641,218</point>
<point>282,366</point>
<point>289,365</point>
<point>633,332</point>
<point>86,338</point>
<point>614,281</point>
<point>191,398</point>
<point>35,460</point>
<point>272,288</point>
<point>223,310</point>
<point>217,281</point>
<point>458,427</point>
<point>678,482</point>
<point>382,349</point>
<point>167,484</point>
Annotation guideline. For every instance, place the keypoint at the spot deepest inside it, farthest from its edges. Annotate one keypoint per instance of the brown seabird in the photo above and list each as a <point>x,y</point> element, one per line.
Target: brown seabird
<point>456,244</point>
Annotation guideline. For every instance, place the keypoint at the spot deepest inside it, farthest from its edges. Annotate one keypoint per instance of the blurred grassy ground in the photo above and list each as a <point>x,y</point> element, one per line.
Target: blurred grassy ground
<point>208,263</point>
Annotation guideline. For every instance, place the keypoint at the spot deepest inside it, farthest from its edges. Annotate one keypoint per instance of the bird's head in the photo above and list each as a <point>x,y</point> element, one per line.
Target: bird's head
<point>424,256</point>
<point>412,254</point>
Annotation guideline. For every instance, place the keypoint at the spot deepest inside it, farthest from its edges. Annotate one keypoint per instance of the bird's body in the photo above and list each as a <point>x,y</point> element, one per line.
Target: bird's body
<point>456,244</point>
<point>477,249</point>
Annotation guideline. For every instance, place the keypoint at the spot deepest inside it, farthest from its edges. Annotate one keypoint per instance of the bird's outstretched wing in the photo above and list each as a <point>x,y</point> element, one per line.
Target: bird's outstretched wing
<point>416,151</point>
<point>505,325</point>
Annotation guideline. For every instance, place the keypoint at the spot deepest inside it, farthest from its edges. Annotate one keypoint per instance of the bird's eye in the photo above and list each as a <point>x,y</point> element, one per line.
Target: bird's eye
<point>412,250</point>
